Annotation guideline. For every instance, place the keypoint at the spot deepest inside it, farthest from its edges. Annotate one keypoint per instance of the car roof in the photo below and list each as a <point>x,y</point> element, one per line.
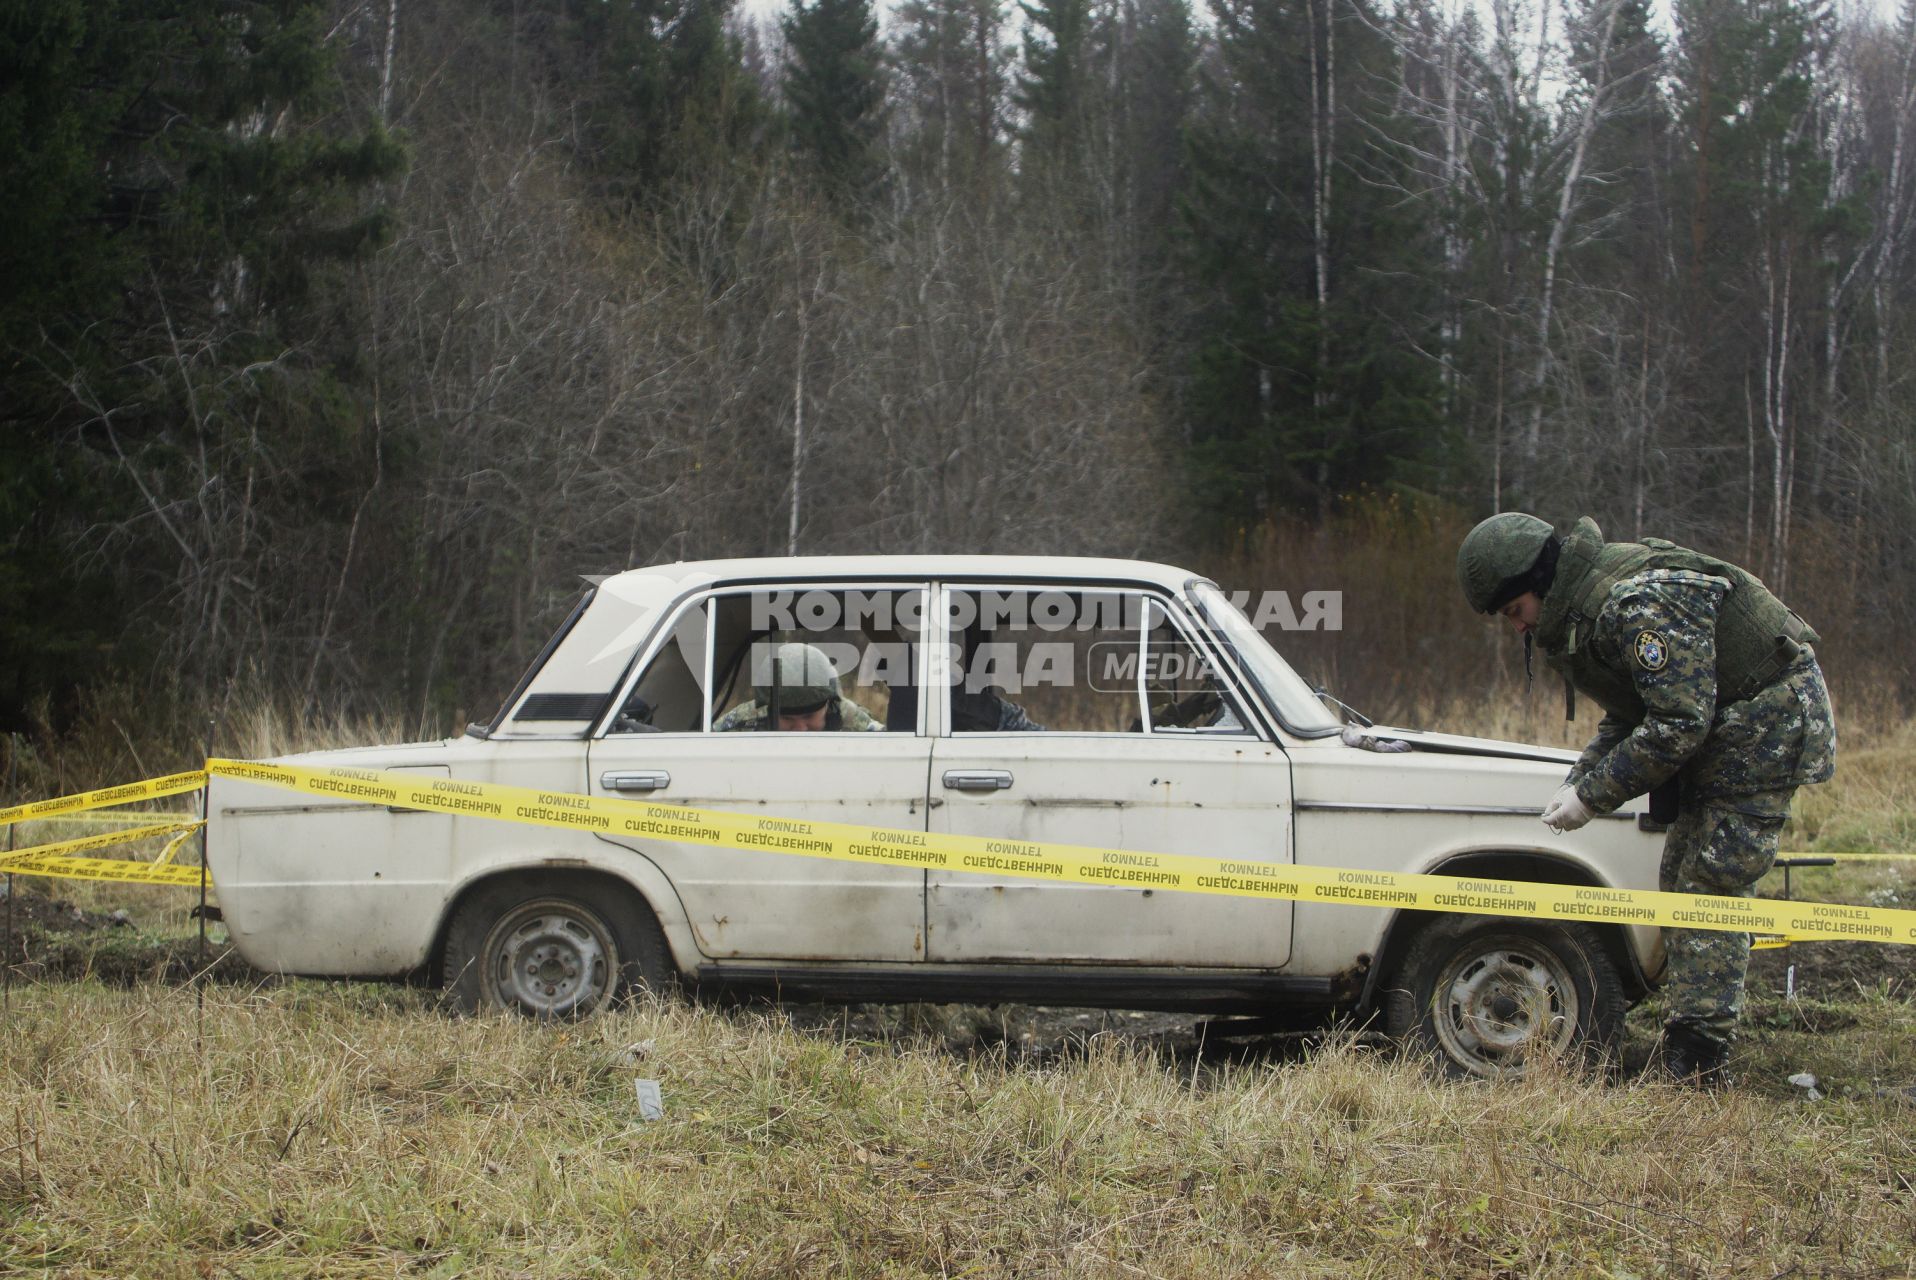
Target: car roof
<point>873,568</point>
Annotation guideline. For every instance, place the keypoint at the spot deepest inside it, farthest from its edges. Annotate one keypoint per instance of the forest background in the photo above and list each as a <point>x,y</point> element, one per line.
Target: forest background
<point>338,339</point>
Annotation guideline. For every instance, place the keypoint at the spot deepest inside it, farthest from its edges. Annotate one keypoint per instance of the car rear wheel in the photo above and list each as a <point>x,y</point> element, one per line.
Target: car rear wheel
<point>551,954</point>
<point>1484,996</point>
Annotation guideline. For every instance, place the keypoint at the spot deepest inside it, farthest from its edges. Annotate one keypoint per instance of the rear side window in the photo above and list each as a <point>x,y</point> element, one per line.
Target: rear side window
<point>715,672</point>
<point>669,697</point>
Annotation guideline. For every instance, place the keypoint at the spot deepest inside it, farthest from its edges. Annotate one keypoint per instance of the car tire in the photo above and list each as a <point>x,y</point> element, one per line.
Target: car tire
<point>1483,995</point>
<point>551,951</point>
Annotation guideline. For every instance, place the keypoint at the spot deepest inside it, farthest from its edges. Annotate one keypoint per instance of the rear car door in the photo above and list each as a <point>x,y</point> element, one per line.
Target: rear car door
<point>661,745</point>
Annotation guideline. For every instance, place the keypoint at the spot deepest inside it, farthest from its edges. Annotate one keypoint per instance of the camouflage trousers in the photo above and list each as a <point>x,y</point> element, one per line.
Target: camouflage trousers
<point>1736,796</point>
<point>1721,848</point>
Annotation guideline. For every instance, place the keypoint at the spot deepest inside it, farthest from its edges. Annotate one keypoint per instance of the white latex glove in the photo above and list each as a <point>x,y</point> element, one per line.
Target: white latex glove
<point>1566,811</point>
<point>1563,792</point>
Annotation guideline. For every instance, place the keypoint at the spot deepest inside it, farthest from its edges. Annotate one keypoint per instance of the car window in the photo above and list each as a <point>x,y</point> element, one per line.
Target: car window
<point>1034,659</point>
<point>1041,659</point>
<point>1232,632</point>
<point>670,695</point>
<point>1183,690</point>
<point>860,646</point>
<point>776,651</point>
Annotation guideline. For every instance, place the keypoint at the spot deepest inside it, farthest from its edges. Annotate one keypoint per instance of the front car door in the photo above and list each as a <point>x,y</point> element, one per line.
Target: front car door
<point>666,743</point>
<point>1097,717</point>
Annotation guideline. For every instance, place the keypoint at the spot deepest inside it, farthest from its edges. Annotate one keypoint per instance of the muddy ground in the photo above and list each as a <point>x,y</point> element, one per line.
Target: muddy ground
<point>46,938</point>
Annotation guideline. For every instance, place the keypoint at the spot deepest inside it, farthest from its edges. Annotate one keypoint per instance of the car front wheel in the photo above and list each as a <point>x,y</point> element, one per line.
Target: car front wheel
<point>1486,995</point>
<point>551,953</point>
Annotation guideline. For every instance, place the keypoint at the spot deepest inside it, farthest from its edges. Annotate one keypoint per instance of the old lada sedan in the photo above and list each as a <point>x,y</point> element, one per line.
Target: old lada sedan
<point>1128,706</point>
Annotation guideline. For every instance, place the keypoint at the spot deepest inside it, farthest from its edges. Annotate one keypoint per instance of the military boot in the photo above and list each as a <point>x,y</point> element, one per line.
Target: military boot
<point>1693,1058</point>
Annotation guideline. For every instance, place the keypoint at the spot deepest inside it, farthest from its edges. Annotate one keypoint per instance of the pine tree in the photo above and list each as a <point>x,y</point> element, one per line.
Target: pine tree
<point>954,70</point>
<point>177,185</point>
<point>835,85</point>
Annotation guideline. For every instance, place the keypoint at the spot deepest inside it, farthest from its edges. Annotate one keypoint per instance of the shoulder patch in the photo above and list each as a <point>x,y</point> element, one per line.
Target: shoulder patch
<point>1653,651</point>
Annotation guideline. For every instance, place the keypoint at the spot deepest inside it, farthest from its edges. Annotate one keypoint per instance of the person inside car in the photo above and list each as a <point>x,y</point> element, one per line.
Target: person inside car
<point>800,694</point>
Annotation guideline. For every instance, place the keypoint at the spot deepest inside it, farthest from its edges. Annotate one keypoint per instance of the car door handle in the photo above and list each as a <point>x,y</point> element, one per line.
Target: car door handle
<point>644,780</point>
<point>977,779</point>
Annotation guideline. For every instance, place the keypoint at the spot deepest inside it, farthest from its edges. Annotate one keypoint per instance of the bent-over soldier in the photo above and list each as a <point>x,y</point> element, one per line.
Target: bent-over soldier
<point>1709,688</point>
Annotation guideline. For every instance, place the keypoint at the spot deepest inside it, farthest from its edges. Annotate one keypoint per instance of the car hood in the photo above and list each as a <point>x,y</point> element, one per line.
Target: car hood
<point>1456,744</point>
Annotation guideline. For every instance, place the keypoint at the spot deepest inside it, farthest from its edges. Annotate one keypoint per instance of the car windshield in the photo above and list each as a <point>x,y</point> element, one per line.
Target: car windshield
<point>1295,702</point>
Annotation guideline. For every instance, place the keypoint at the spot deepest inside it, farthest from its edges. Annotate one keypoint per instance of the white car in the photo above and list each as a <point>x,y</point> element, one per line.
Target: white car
<point>1109,703</point>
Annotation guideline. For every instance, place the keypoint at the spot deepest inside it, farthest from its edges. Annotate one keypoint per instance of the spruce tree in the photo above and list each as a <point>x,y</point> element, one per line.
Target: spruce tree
<point>661,97</point>
<point>177,181</point>
<point>835,86</point>
<point>1053,89</point>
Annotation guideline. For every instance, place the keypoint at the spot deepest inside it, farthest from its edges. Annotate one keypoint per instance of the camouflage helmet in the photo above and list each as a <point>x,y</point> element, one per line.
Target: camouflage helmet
<point>805,678</point>
<point>1495,559</point>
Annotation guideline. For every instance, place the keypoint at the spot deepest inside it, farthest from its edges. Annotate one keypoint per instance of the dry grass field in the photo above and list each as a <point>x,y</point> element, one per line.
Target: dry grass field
<point>267,1129</point>
<point>315,1131</point>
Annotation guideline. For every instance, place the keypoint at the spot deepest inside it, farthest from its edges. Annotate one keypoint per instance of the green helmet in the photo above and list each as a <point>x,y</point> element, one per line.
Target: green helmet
<point>1495,559</point>
<point>805,680</point>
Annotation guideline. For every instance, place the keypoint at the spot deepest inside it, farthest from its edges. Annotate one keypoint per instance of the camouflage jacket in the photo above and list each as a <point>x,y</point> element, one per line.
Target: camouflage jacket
<point>750,715</point>
<point>1658,631</point>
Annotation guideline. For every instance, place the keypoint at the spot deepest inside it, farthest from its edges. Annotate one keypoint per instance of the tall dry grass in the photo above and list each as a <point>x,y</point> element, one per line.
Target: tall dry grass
<point>353,1133</point>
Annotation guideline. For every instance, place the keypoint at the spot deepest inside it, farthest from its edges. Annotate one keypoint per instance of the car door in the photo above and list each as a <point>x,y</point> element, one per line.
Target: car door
<point>661,746</point>
<point>1095,718</point>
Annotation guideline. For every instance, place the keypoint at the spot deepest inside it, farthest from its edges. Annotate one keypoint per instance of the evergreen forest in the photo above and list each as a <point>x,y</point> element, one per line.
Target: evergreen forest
<point>339,338</point>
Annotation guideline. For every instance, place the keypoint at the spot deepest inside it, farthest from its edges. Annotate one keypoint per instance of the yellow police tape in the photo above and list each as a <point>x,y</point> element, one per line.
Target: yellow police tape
<point>849,842</point>
<point>151,789</point>
<point>97,818</point>
<point>1781,921</point>
<point>57,860</point>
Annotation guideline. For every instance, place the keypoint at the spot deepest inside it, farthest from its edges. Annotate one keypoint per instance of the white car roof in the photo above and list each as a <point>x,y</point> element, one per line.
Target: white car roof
<point>1091,568</point>
<point>589,656</point>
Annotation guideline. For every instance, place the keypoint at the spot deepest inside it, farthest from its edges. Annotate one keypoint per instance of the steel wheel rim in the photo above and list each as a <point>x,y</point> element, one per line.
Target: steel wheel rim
<point>551,960</point>
<point>1502,1002</point>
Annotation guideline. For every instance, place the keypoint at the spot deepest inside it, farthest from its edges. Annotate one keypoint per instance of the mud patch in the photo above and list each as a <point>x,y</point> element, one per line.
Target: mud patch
<point>51,939</point>
<point>1836,970</point>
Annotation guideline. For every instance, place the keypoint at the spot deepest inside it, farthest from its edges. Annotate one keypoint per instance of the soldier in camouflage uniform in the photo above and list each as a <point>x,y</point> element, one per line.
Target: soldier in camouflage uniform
<point>1709,686</point>
<point>802,687</point>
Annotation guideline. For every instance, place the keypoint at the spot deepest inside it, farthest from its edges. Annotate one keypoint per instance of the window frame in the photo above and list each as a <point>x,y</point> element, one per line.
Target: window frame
<point>1251,730</point>
<point>1270,701</point>
<point>703,598</point>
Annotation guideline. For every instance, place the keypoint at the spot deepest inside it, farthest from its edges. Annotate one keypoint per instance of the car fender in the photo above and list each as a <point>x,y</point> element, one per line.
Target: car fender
<point>1636,950</point>
<point>615,861</point>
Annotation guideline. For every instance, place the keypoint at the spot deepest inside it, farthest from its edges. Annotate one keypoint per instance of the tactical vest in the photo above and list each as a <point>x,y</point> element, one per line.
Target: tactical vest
<point>1757,635</point>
